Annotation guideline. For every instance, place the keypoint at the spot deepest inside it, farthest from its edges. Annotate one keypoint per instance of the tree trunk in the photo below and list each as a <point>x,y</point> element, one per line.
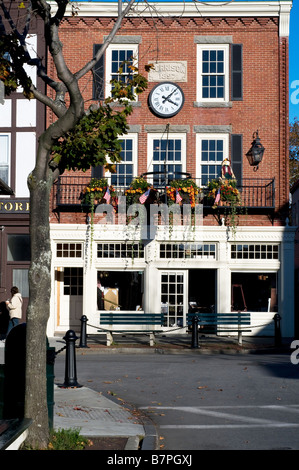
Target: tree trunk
<point>38,308</point>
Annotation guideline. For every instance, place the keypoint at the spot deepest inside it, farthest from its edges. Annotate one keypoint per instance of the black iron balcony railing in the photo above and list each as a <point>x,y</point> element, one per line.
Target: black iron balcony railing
<point>254,193</point>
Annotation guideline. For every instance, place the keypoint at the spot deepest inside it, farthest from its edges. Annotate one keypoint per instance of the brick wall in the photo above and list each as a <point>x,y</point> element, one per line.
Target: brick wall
<point>265,86</point>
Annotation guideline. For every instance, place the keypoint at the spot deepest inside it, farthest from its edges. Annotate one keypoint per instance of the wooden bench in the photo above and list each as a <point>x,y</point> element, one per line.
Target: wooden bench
<point>222,322</point>
<point>117,322</point>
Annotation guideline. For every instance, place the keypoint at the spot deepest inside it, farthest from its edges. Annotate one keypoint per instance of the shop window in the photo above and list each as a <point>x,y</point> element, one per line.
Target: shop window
<point>119,290</point>
<point>185,250</point>
<point>69,250</point>
<point>254,292</point>
<point>18,247</point>
<point>254,251</point>
<point>120,250</point>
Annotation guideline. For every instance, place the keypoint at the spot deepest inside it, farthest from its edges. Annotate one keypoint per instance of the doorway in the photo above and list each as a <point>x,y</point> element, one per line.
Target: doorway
<point>202,290</point>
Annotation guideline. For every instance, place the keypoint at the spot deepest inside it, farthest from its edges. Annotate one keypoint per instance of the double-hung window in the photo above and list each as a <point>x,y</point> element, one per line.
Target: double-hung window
<point>167,157</point>
<point>213,73</point>
<point>125,170</point>
<point>212,149</point>
<point>4,157</point>
<point>119,57</point>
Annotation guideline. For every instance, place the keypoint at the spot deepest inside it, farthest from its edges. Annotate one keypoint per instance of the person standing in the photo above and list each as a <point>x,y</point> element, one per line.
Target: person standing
<point>14,306</point>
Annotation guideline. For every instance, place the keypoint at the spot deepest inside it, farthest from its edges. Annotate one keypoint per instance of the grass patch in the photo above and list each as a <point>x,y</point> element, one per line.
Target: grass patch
<point>67,439</point>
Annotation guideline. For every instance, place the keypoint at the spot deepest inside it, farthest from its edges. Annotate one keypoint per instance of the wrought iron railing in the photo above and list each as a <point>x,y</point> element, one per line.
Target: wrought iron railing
<point>254,193</point>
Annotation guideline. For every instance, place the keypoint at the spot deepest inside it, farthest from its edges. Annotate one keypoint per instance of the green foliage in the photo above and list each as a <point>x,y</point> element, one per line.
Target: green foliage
<point>67,439</point>
<point>95,138</point>
<point>12,60</point>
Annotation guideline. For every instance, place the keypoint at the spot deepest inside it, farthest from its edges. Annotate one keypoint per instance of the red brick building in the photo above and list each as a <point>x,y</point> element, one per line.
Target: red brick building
<point>229,62</point>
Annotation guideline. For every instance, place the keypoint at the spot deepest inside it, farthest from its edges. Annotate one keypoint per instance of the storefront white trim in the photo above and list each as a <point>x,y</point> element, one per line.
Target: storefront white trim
<point>152,266</point>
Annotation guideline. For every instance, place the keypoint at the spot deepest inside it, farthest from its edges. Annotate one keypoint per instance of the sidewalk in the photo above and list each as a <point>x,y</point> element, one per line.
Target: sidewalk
<point>108,425</point>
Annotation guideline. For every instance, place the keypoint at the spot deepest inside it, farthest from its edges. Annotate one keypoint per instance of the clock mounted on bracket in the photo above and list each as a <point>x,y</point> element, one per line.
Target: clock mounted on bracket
<point>166,99</point>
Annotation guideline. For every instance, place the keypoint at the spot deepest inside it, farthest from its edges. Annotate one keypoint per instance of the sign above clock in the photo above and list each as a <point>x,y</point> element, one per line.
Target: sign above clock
<point>166,70</point>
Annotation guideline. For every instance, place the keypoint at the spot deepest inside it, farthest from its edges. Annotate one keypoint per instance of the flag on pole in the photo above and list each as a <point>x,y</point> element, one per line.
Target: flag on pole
<point>217,198</point>
<point>107,195</point>
<point>178,197</point>
<point>144,196</point>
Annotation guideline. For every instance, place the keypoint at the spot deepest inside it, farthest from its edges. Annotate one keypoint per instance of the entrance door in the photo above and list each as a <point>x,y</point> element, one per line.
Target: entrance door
<point>69,297</point>
<point>173,298</point>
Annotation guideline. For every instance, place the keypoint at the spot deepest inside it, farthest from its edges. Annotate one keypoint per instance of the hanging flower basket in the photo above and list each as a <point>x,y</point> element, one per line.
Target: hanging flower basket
<point>138,188</point>
<point>183,191</point>
<point>98,192</point>
<point>224,191</point>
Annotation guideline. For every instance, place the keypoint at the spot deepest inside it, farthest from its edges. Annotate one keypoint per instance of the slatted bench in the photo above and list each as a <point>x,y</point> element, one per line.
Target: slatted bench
<point>222,322</point>
<point>117,322</point>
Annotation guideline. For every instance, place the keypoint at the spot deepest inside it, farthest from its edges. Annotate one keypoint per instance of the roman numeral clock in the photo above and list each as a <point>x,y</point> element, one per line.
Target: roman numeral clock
<point>166,99</point>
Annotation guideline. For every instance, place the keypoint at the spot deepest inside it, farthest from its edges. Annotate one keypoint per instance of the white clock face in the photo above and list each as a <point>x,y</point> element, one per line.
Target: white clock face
<point>166,99</point>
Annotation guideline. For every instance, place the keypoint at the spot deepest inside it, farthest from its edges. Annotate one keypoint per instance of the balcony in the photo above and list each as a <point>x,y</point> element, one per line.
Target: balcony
<point>256,194</point>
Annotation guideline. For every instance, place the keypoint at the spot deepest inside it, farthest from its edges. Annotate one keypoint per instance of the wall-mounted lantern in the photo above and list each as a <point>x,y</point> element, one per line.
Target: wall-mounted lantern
<point>255,154</point>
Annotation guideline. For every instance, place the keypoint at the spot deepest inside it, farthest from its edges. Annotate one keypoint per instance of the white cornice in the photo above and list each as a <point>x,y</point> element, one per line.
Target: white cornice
<point>274,8</point>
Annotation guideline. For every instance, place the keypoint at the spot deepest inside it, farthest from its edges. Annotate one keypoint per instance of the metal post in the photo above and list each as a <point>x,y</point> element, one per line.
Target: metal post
<point>83,335</point>
<point>70,378</point>
<point>277,331</point>
<point>194,332</point>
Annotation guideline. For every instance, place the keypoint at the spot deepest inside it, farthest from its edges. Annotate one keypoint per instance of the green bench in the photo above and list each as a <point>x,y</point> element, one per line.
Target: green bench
<point>234,322</point>
<point>117,322</point>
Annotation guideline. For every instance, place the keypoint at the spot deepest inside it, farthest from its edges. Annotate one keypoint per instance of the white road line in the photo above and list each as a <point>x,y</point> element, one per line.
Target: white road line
<point>229,426</point>
<point>228,416</point>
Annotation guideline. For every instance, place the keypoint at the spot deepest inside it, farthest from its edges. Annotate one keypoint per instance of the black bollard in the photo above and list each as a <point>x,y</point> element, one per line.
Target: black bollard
<point>70,378</point>
<point>277,331</point>
<point>194,332</point>
<point>83,335</point>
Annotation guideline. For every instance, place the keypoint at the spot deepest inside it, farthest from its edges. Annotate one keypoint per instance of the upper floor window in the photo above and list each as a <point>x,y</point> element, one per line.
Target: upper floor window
<point>119,56</point>
<point>167,157</point>
<point>213,72</point>
<point>211,150</point>
<point>4,157</point>
<point>126,169</point>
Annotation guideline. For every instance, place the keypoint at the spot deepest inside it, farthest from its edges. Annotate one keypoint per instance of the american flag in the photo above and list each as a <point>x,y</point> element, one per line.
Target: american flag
<point>107,195</point>
<point>144,196</point>
<point>217,198</point>
<point>178,197</point>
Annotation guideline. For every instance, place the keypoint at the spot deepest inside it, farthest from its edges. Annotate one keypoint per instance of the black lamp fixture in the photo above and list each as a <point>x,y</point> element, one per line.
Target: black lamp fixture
<point>255,154</point>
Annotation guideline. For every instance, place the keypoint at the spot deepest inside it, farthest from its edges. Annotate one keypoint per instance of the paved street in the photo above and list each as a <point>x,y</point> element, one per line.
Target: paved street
<point>210,401</point>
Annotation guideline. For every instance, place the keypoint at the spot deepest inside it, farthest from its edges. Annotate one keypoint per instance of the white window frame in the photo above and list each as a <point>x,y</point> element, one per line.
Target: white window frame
<point>209,136</point>
<point>162,136</point>
<point>216,47</point>
<point>134,138</point>
<point>2,164</point>
<point>108,71</point>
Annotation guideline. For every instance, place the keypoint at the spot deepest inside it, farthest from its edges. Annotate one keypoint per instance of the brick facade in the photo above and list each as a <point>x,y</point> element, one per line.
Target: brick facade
<point>265,78</point>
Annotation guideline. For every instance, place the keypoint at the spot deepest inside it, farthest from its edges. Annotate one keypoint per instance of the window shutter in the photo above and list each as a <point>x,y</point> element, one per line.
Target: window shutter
<point>236,156</point>
<point>236,72</point>
<point>98,76</point>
